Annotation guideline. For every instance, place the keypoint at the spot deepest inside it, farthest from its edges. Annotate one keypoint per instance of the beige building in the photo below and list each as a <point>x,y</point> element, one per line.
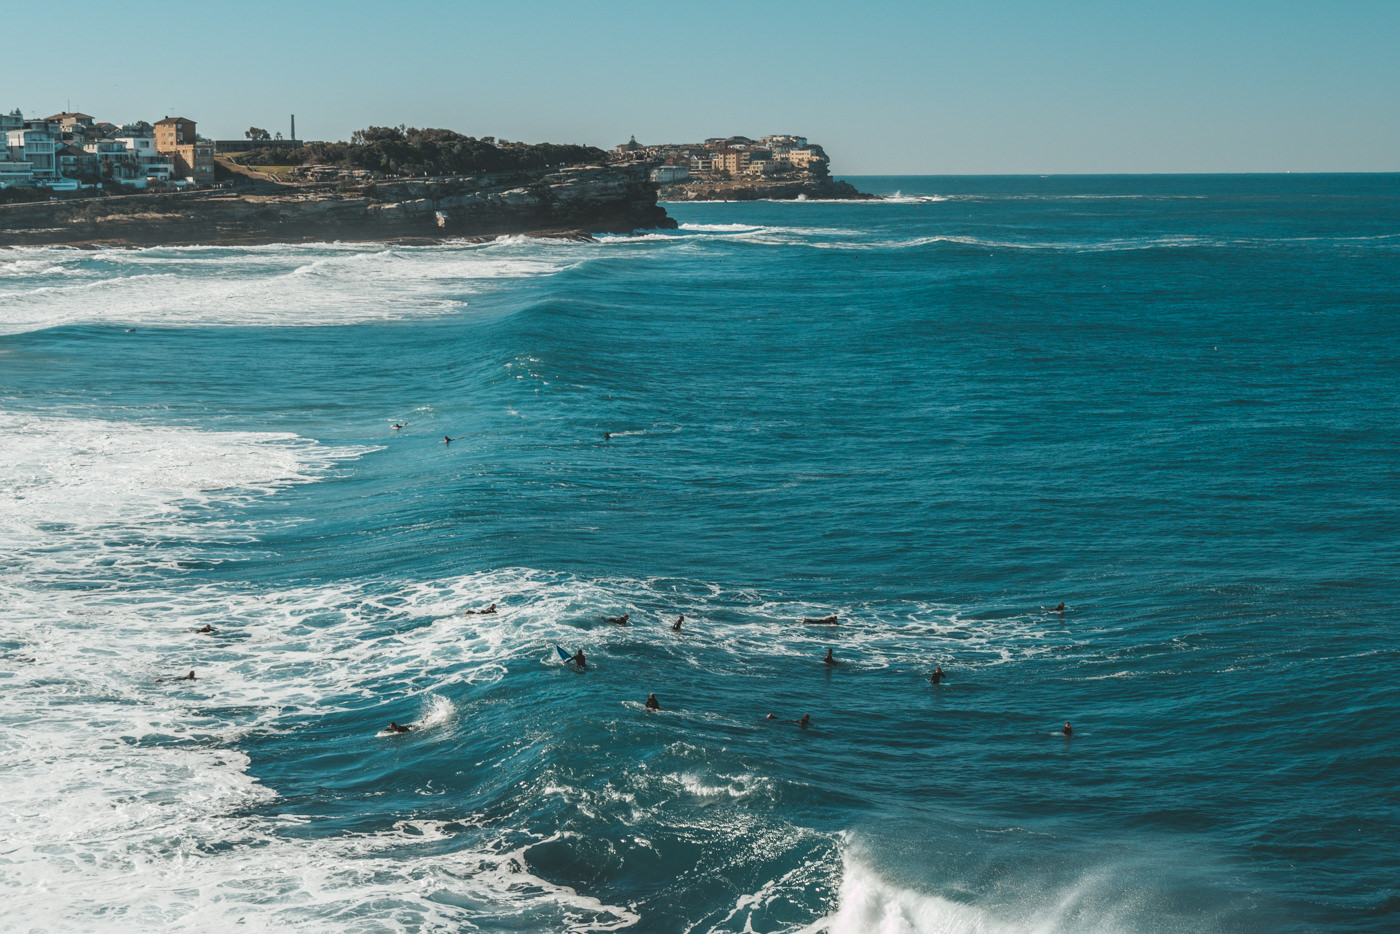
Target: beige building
<point>175,137</point>
<point>732,161</point>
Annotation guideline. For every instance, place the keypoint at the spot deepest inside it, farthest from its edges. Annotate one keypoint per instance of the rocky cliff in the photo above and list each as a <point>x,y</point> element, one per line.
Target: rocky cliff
<point>573,201</point>
<point>758,190</point>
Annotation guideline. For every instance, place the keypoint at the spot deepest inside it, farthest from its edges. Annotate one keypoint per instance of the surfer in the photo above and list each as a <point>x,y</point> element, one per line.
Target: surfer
<point>619,620</point>
<point>447,440</point>
<point>830,659</point>
<point>396,426</point>
<point>1061,608</point>
<point>805,722</point>
<point>821,621</point>
<point>188,677</point>
<point>676,626</point>
<point>578,659</point>
<point>206,628</point>
<point>937,676</point>
<point>1069,731</point>
<point>489,609</point>
<point>398,727</point>
<point>653,703</point>
<point>607,436</point>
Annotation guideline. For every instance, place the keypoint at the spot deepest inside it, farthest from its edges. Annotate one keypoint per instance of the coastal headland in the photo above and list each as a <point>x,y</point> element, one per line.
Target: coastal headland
<point>778,167</point>
<point>826,189</point>
<point>574,202</point>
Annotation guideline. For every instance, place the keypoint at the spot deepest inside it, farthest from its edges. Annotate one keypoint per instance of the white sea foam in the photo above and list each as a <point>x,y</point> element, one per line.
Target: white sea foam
<point>285,286</point>
<point>123,805</point>
<point>1104,901</point>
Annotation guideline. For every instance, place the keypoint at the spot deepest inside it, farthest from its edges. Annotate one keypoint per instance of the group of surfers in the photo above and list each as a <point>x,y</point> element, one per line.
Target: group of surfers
<point>580,660</point>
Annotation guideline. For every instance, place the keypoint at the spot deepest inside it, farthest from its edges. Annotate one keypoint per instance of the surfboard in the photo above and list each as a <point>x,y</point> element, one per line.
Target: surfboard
<point>564,655</point>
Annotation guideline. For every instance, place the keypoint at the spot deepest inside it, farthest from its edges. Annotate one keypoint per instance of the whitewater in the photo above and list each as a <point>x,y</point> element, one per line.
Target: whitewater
<point>1169,402</point>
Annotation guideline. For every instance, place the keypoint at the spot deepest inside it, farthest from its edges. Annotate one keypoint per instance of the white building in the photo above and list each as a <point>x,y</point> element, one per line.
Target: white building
<point>665,174</point>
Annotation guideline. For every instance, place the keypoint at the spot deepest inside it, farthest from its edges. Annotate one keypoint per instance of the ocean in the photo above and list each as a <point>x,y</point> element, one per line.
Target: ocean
<point>1169,402</point>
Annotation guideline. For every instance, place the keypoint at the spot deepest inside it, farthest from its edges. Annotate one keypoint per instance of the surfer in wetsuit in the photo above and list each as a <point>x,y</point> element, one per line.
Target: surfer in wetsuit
<point>653,703</point>
<point>823,621</point>
<point>398,727</point>
<point>578,659</point>
<point>607,436</point>
<point>188,677</point>
<point>619,620</point>
<point>1061,608</point>
<point>207,628</point>
<point>489,609</point>
<point>676,626</point>
<point>830,659</point>
<point>1069,731</point>
<point>937,676</point>
<point>805,722</point>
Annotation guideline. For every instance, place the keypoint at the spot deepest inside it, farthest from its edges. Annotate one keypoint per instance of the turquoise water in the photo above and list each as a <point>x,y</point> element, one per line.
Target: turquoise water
<point>1170,402</point>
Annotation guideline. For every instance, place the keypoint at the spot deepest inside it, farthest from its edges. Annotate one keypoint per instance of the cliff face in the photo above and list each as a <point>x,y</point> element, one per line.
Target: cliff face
<point>745,190</point>
<point>572,201</point>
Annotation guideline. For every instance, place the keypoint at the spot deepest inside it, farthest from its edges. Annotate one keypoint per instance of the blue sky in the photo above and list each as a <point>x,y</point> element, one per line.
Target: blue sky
<point>997,86</point>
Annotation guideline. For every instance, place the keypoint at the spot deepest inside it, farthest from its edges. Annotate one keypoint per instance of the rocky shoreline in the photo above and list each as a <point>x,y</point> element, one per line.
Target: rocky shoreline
<point>744,190</point>
<point>573,202</point>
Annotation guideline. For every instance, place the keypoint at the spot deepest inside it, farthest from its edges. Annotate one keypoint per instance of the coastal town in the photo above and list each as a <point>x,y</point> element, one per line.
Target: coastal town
<point>73,152</point>
<point>69,178</point>
<point>737,168</point>
<point>730,157</point>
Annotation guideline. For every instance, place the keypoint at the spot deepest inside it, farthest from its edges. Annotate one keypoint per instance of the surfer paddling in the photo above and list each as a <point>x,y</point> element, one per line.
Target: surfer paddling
<point>447,440</point>
<point>821,620</point>
<point>619,620</point>
<point>489,609</point>
<point>188,677</point>
<point>399,728</point>
<point>1060,609</point>
<point>206,628</point>
<point>805,722</point>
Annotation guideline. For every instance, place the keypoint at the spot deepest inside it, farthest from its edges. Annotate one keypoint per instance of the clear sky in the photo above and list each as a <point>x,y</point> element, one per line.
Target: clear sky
<point>942,86</point>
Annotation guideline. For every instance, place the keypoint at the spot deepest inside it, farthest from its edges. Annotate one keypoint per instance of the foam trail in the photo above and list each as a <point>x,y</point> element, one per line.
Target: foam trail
<point>276,286</point>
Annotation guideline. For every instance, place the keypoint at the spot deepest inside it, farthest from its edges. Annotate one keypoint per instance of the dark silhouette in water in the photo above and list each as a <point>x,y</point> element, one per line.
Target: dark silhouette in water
<point>489,609</point>
<point>676,626</point>
<point>398,728</point>
<point>830,659</point>
<point>937,675</point>
<point>821,621</point>
<point>653,703</point>
<point>619,620</point>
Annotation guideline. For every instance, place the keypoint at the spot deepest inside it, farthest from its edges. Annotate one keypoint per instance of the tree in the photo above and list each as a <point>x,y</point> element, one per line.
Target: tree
<point>257,133</point>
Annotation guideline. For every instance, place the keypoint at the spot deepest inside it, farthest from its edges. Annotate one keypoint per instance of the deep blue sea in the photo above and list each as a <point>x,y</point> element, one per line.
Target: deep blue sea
<point>1172,403</point>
